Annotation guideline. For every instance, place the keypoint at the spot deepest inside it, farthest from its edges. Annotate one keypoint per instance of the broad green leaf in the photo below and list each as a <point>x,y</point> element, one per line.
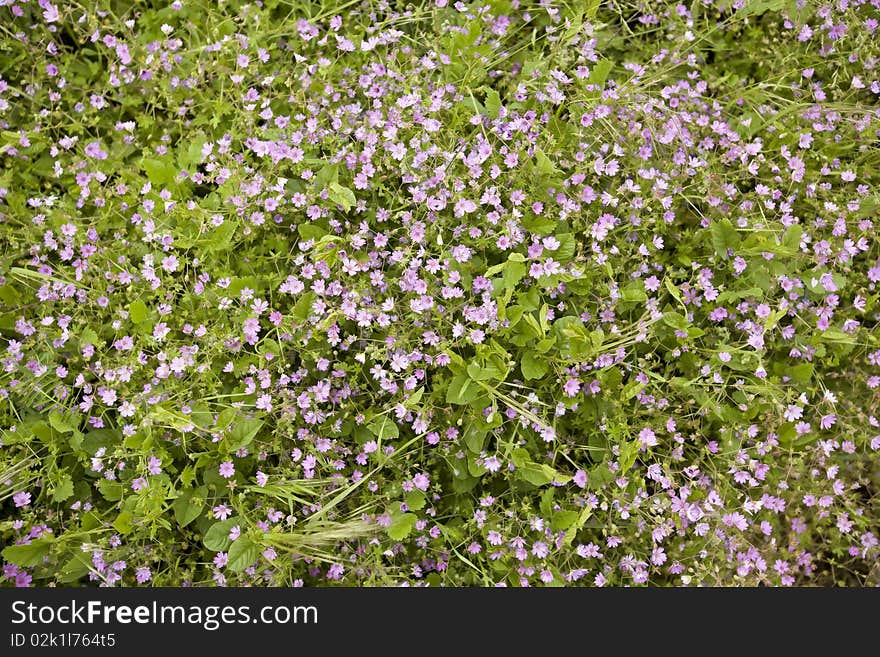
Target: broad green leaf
<point>111,490</point>
<point>88,336</point>
<point>160,172</point>
<point>217,537</point>
<point>493,103</point>
<point>61,423</point>
<point>124,523</point>
<point>384,428</point>
<point>544,164</point>
<point>342,196</point>
<point>303,308</point>
<point>724,237</point>
<point>537,475</point>
<point>189,504</point>
<point>242,434</point>
<point>562,520</point>
<point>415,500</point>
<point>462,390</point>
<point>401,526</point>
<point>514,272</point>
<point>138,311</point>
<point>242,553</point>
<point>27,555</point>
<point>533,367</point>
<point>225,418</point>
<point>474,439</point>
<point>600,71</point>
<point>63,489</point>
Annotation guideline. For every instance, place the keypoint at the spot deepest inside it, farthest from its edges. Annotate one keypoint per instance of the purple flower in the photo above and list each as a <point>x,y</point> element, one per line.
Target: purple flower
<point>21,499</point>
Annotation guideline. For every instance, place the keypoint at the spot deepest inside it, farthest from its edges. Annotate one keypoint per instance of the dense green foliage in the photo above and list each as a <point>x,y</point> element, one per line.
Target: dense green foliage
<point>501,292</point>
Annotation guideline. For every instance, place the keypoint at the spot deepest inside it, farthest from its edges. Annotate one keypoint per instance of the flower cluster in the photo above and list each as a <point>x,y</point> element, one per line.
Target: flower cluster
<point>507,292</point>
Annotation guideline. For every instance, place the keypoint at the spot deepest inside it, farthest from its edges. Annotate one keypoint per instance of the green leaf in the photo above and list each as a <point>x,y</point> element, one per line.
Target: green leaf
<point>724,237</point>
<point>311,231</point>
<point>567,246</point>
<point>9,295</point>
<point>192,156</point>
<point>415,500</point>
<point>544,164</point>
<point>111,490</point>
<point>562,520</point>
<point>328,174</point>
<point>758,7</point>
<point>474,439</point>
<point>138,311</point>
<point>514,272</point>
<point>600,72</point>
<point>242,434</point>
<point>401,526</point>
<point>88,336</point>
<point>123,523</point>
<point>242,553</point>
<point>519,456</point>
<point>303,308</point>
<point>76,567</point>
<point>462,390</point>
<point>226,417</point>
<point>733,295</point>
<point>792,238</point>
<point>160,172</point>
<point>63,489</point>
<point>634,292</point>
<point>61,423</point>
<point>220,238</point>
<point>802,373</point>
<point>217,537</point>
<point>493,103</point>
<point>629,451</point>
<point>27,555</point>
<point>537,475</point>
<point>384,428</point>
<point>342,196</point>
<point>186,508</point>
<point>533,367</point>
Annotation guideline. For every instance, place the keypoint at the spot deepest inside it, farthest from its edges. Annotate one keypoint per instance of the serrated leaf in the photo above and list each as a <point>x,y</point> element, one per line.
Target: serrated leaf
<point>63,489</point>
<point>160,172</point>
<point>401,526</point>
<point>27,555</point>
<point>415,500</point>
<point>493,103</point>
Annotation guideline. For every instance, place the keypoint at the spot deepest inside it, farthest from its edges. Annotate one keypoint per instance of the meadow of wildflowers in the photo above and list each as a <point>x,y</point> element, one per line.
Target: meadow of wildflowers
<point>504,292</point>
